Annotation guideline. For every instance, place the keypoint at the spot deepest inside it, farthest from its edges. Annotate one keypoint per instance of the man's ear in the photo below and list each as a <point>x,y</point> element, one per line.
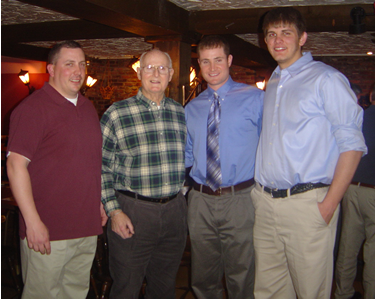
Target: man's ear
<point>171,72</point>
<point>139,73</point>
<point>303,39</point>
<point>51,69</point>
<point>230,59</point>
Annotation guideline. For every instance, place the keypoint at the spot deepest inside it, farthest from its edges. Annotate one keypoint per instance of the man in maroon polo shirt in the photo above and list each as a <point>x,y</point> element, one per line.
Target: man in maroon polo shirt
<point>54,168</point>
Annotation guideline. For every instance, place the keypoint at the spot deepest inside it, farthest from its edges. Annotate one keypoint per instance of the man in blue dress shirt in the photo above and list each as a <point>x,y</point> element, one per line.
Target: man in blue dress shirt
<point>221,219</point>
<point>309,149</point>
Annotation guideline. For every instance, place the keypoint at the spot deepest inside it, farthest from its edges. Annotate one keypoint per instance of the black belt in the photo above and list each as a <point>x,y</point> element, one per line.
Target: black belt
<point>296,189</point>
<point>223,190</point>
<point>363,185</point>
<point>145,198</point>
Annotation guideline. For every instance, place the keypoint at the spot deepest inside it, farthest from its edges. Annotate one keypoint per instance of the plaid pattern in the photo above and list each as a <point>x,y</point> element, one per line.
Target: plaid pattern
<point>143,149</point>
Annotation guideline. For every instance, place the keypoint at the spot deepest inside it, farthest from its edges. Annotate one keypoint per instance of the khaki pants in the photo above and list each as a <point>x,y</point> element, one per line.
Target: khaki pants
<point>63,274</point>
<point>358,209</point>
<point>293,246</point>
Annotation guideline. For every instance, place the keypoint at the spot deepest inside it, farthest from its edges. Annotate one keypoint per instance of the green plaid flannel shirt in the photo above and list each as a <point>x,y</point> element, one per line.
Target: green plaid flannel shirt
<point>143,149</point>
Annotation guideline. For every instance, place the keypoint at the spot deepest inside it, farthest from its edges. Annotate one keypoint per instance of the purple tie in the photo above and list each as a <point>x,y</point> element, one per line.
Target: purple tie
<point>213,177</point>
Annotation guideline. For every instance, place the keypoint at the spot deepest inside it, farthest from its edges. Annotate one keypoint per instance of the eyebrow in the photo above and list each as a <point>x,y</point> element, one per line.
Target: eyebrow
<point>283,30</point>
<point>71,60</point>
<point>218,57</point>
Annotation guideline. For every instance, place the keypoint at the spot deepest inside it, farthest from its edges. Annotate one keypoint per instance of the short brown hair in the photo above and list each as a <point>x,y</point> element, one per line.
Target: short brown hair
<point>284,15</point>
<point>55,50</point>
<point>212,42</point>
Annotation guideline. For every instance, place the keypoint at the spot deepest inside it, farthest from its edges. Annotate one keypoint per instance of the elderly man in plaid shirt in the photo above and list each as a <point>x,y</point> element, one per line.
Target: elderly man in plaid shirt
<point>143,172</point>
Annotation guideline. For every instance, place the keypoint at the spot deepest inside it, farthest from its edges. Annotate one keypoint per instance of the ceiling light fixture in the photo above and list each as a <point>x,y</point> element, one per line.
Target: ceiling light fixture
<point>357,14</point>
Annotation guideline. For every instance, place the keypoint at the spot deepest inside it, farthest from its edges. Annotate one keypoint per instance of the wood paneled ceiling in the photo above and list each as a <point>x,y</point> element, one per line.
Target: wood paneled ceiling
<point>115,29</point>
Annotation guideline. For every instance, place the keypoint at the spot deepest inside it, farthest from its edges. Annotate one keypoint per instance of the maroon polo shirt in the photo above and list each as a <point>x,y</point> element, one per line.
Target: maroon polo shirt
<point>63,142</point>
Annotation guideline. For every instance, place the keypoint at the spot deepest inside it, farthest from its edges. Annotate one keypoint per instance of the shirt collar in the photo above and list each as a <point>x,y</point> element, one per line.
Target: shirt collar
<point>59,98</point>
<point>147,102</point>
<point>297,66</point>
<point>222,91</point>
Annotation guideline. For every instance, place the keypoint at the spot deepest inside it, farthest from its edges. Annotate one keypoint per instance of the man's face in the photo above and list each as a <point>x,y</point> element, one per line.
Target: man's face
<point>214,66</point>
<point>154,84</point>
<point>284,44</point>
<point>68,72</point>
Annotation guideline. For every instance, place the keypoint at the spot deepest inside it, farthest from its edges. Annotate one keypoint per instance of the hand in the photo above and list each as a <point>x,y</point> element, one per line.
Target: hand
<point>103,214</point>
<point>37,236</point>
<point>121,224</point>
<point>326,211</point>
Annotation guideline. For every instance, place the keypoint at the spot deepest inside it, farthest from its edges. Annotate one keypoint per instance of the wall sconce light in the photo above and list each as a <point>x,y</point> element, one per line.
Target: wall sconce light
<point>134,63</point>
<point>24,76</point>
<point>260,82</point>
<point>193,74</point>
<point>90,81</point>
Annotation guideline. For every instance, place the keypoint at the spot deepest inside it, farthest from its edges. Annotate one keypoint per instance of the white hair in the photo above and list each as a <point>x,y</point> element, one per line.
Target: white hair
<point>165,53</point>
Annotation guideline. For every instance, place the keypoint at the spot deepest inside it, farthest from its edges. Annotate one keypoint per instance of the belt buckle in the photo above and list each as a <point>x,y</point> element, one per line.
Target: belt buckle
<point>219,191</point>
<point>162,198</point>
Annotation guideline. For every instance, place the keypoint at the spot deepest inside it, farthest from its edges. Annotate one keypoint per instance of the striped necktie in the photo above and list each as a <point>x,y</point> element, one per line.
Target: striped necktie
<point>213,176</point>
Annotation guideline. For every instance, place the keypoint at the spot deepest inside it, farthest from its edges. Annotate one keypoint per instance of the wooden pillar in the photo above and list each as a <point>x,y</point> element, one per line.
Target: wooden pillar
<point>180,53</point>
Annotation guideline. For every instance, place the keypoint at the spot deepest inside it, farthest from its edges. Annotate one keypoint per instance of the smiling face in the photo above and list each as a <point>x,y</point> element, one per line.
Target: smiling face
<point>154,84</point>
<point>284,44</point>
<point>67,73</point>
<point>214,64</point>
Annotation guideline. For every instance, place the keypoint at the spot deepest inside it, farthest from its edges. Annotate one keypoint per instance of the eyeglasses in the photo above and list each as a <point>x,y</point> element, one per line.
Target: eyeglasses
<point>149,69</point>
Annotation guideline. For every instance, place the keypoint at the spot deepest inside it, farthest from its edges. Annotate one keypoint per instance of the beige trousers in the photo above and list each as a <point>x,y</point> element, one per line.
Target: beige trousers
<point>63,274</point>
<point>293,246</point>
<point>358,225</point>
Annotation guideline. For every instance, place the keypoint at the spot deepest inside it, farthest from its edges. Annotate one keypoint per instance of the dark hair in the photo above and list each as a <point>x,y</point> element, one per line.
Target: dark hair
<point>287,16</point>
<point>55,50</point>
<point>213,41</point>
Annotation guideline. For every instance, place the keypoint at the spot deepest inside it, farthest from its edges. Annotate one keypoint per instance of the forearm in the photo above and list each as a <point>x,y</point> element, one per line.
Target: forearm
<point>344,172</point>
<point>20,184</point>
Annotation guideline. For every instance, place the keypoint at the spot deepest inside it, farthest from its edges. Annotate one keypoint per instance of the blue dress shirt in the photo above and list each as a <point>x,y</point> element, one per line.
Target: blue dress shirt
<point>310,116</point>
<point>241,119</point>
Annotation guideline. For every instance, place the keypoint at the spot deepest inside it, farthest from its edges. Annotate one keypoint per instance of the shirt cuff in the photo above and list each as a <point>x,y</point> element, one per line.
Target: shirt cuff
<point>111,205</point>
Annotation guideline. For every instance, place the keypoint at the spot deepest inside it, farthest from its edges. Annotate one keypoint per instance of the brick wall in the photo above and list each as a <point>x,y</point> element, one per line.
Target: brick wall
<point>116,74</point>
<point>359,70</point>
<point>243,75</point>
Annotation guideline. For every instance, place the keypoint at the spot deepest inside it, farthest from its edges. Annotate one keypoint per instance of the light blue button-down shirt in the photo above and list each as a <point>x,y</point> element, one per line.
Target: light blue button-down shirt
<point>240,126</point>
<point>310,117</point>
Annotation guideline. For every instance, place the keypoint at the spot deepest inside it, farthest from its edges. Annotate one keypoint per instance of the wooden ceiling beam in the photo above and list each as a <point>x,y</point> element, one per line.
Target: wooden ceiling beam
<point>141,17</point>
<point>248,55</point>
<point>24,51</point>
<point>59,30</point>
<point>319,18</point>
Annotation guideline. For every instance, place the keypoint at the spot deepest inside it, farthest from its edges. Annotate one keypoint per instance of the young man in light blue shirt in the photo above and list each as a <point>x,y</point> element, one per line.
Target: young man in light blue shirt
<point>310,146</point>
<point>221,217</point>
